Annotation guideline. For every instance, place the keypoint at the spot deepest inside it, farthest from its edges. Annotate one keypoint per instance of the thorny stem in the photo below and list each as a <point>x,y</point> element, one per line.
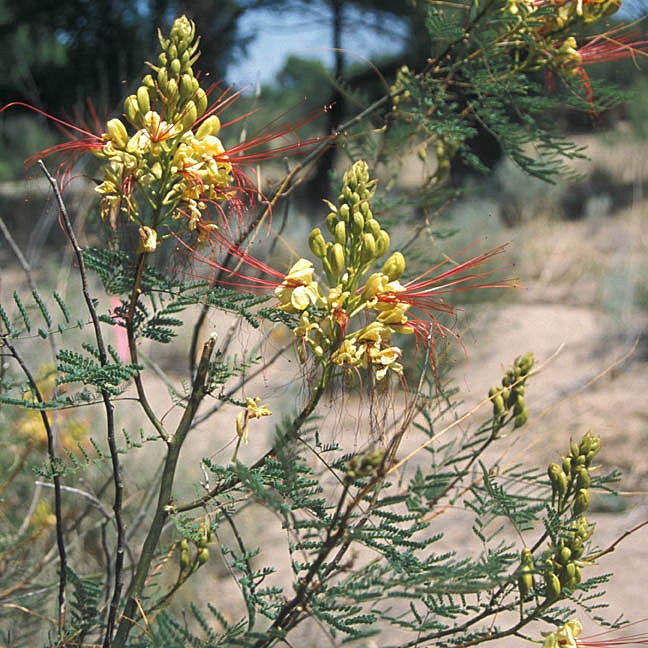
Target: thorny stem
<point>60,541</point>
<point>110,422</point>
<point>200,386</point>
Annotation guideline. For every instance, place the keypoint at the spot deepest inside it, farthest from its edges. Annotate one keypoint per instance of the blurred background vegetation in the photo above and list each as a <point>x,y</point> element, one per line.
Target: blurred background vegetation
<point>580,245</point>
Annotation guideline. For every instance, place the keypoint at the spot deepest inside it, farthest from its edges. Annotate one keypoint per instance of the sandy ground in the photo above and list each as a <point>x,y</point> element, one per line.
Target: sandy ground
<point>580,311</point>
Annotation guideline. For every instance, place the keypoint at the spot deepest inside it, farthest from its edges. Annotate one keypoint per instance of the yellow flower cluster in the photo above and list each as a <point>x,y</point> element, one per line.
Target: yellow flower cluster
<point>370,346</point>
<point>174,159</point>
<point>358,242</point>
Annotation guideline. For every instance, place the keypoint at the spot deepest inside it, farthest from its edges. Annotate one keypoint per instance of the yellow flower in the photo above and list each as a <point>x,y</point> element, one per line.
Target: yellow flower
<point>347,354</point>
<point>148,240</point>
<point>298,290</point>
<point>564,637</point>
<point>252,410</point>
<point>386,357</point>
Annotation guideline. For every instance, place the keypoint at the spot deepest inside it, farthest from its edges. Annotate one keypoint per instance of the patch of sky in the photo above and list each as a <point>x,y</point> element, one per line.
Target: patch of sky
<point>308,33</point>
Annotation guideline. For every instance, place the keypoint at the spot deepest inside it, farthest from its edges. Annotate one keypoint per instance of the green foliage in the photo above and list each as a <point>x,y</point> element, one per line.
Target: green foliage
<point>362,525</point>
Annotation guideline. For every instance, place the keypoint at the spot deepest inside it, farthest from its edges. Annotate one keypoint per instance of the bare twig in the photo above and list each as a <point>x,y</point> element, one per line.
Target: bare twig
<point>60,541</point>
<point>110,421</point>
<point>174,445</point>
<point>613,546</point>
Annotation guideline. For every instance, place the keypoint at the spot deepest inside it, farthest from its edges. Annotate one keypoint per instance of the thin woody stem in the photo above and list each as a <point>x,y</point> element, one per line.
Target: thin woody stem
<point>132,347</point>
<point>110,421</point>
<point>296,426</point>
<point>175,443</point>
<point>51,454</point>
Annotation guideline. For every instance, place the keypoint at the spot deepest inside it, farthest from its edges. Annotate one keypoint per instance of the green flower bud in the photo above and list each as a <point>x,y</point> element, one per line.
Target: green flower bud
<point>521,418</point>
<point>519,405</point>
<point>358,223</point>
<point>131,110</point>
<point>577,548</point>
<point>563,483</point>
<point>162,59</point>
<point>568,575</point>
<point>201,101</point>
<point>175,67</point>
<point>172,51</point>
<point>564,556</point>
<point>382,243</point>
<point>552,589</point>
<point>188,117</point>
<point>117,132</point>
<point>184,560</point>
<point>525,581</point>
<point>203,556</point>
<point>184,545</point>
<point>554,474</point>
<point>340,233</point>
<point>331,222</point>
<point>163,80</point>
<point>526,362</point>
<point>372,226</point>
<point>583,479</point>
<point>394,266</point>
<point>171,89</point>
<point>186,86</point>
<point>182,29</point>
<point>368,248</point>
<point>581,501</point>
<point>143,99</point>
<point>566,465</point>
<point>335,256</point>
<point>344,212</point>
<point>148,82</point>
<point>498,405</point>
<point>574,449</point>
<point>317,243</point>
